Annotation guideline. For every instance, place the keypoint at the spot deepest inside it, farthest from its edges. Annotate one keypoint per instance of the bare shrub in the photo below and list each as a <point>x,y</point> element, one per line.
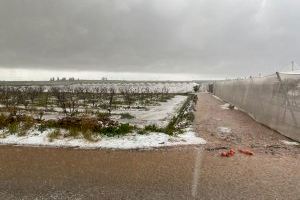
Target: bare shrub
<point>111,94</point>
<point>67,99</point>
<point>128,95</point>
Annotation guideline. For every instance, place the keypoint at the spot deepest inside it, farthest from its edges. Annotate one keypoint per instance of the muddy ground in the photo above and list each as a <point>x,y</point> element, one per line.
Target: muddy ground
<point>194,172</point>
<point>273,172</point>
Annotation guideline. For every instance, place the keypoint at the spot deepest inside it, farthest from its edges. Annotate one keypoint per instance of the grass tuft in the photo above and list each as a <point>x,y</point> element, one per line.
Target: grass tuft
<point>54,135</point>
<point>112,131</point>
<point>13,128</point>
<point>73,132</point>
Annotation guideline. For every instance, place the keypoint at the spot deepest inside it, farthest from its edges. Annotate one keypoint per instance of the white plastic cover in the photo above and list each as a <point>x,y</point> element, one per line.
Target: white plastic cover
<point>272,100</point>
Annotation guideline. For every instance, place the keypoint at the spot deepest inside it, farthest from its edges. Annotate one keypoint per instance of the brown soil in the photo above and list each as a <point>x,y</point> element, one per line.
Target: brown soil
<point>273,172</point>
<point>245,133</point>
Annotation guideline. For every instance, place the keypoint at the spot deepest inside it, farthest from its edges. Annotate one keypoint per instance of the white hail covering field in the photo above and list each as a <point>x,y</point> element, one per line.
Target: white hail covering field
<point>132,141</point>
<point>159,115</point>
<point>173,87</point>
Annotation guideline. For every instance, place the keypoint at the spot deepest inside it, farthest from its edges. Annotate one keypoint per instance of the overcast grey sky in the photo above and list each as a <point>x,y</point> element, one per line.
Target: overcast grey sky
<point>206,37</point>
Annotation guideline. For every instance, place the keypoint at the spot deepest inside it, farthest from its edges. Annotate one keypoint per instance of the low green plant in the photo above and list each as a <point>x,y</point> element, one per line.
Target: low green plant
<point>122,129</point>
<point>28,122</point>
<point>73,132</point>
<point>170,130</point>
<point>54,135</point>
<point>42,128</point>
<point>13,128</point>
<point>190,116</point>
<point>142,131</point>
<point>51,123</point>
<point>153,128</point>
<point>109,131</point>
<point>88,135</point>
<point>125,128</point>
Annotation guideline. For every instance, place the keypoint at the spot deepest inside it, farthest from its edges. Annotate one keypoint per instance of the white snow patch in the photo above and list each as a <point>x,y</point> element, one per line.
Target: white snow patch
<point>290,143</point>
<point>225,106</point>
<point>218,98</point>
<point>223,129</point>
<point>291,72</point>
<point>133,141</point>
<point>158,115</point>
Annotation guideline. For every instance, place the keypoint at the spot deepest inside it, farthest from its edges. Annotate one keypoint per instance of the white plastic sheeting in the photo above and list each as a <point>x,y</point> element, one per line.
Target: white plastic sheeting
<point>272,100</point>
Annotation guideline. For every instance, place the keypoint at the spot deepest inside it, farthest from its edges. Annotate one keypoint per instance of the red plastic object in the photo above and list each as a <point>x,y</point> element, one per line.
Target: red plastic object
<point>229,153</point>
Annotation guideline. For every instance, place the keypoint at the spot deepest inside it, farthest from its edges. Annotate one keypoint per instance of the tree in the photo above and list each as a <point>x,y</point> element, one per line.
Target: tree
<point>33,93</point>
<point>112,92</point>
<point>128,95</point>
<point>5,95</point>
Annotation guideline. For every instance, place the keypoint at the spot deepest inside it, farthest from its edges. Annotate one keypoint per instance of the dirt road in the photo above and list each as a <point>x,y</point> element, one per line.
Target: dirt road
<point>173,173</point>
<point>273,172</point>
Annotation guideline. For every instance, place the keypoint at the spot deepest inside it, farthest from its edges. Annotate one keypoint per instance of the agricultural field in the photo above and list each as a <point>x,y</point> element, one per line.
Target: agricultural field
<point>98,115</point>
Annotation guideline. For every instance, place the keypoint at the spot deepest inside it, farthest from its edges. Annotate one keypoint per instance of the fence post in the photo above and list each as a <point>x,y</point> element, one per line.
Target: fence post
<point>287,98</point>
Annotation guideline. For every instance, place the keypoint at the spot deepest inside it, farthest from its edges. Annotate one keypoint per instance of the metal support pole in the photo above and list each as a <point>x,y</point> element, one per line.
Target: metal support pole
<point>287,98</point>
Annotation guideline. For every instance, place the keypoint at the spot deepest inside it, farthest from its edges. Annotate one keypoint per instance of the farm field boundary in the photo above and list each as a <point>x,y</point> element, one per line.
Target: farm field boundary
<point>272,100</point>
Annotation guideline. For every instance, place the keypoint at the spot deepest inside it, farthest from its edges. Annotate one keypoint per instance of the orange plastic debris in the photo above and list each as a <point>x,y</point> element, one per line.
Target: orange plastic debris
<point>224,154</point>
<point>229,153</point>
<point>247,152</point>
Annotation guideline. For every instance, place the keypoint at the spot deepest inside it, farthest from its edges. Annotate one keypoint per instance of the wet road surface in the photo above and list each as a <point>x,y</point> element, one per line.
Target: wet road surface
<point>43,173</point>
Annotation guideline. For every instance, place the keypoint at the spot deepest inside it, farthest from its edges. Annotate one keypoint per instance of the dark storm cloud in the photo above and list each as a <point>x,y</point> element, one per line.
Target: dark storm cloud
<point>234,37</point>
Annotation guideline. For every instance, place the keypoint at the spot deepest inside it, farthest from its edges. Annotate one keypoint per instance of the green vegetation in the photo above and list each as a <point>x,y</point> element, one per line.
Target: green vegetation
<point>25,125</point>
<point>13,128</point>
<point>88,127</point>
<point>122,129</point>
<point>54,134</point>
<point>73,132</point>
